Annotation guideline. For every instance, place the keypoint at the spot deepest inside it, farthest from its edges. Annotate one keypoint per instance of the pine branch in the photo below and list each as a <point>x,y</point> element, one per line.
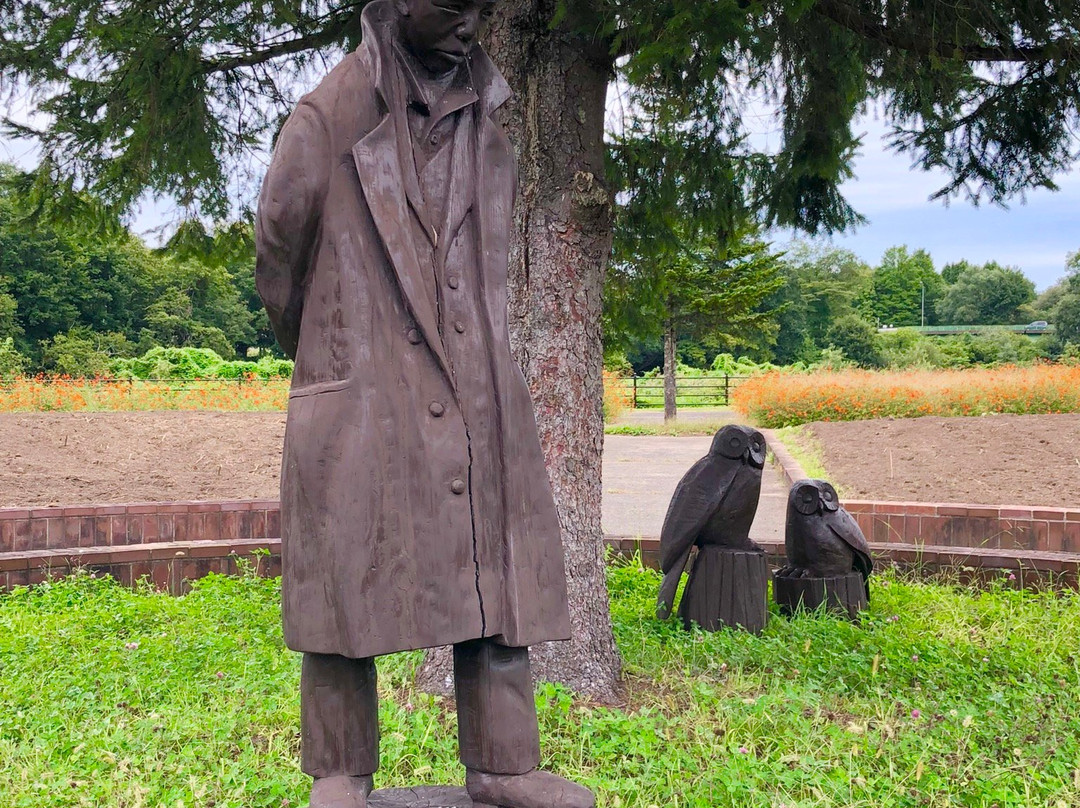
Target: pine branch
<point>873,29</point>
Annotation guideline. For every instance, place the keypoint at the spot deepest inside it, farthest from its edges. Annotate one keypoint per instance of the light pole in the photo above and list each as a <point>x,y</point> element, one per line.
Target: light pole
<point>922,316</point>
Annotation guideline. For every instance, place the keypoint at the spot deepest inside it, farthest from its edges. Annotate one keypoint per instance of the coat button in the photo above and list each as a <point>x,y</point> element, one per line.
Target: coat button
<point>459,326</point>
<point>434,140</point>
<point>453,281</point>
<point>413,336</point>
<point>457,485</point>
<point>436,409</point>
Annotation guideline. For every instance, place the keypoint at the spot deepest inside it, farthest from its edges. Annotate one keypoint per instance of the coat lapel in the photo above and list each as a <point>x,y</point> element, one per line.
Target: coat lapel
<point>378,163</point>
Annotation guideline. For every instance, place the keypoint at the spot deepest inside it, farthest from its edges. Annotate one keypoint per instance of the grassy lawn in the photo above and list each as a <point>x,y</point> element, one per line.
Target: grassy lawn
<point>942,697</point>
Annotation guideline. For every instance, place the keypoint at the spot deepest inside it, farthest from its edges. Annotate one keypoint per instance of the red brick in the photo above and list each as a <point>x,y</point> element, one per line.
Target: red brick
<point>131,530</point>
<point>204,526</point>
<point>14,561</point>
<point>54,535</point>
<point>881,531</point>
<point>952,510</point>
<point>18,578</point>
<point>204,507</point>
<point>273,524</point>
<point>933,530</point>
<point>253,525</point>
<point>102,531</point>
<point>1056,537</point>
<point>174,507</point>
<point>131,555</point>
<point>7,536</point>
<point>81,510</point>
<point>139,570</point>
<point>182,526</point>
<point>230,525</point>
<point>46,513</point>
<point>4,587</point>
<point>1072,516</point>
<point>264,504</point>
<point>149,528</point>
<point>855,506</point>
<point>39,534</point>
<point>1042,534</point>
<point>161,574</point>
<point>111,510</point>
<point>912,528</point>
<point>14,513</point>
<point>209,549</point>
<point>122,573</point>
<point>983,512</point>
<point>1050,514</point>
<point>1012,512</point>
<point>165,527</point>
<point>1071,538</point>
<point>236,505</point>
<point>38,575</point>
<point>143,508</point>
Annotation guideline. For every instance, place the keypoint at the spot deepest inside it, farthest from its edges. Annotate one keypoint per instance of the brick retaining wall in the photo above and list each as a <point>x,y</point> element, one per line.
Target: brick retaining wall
<point>173,542</point>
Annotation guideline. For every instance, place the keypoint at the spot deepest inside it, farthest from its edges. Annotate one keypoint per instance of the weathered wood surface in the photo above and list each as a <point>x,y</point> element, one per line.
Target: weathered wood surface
<point>844,595</point>
<point>421,797</point>
<point>727,588</point>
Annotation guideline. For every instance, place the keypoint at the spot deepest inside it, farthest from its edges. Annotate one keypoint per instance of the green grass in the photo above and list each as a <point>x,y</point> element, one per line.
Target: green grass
<point>674,429</point>
<point>806,449</point>
<point>116,698</point>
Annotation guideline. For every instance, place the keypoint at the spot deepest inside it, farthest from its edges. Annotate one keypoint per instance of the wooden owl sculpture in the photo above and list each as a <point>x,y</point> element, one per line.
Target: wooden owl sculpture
<point>714,504</point>
<point>822,539</point>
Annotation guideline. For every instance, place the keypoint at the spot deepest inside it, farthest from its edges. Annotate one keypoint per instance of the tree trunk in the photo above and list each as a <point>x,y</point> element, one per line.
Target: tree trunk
<point>670,410</point>
<point>561,242</point>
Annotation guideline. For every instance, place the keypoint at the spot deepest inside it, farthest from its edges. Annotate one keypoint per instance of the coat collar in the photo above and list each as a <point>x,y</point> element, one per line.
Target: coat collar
<point>377,23</point>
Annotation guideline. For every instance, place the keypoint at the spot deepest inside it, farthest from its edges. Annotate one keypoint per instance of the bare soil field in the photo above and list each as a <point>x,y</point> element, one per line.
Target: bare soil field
<point>114,457</point>
<point>991,459</point>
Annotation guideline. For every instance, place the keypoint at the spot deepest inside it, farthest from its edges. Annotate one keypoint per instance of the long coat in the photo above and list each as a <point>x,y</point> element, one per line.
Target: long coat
<point>393,535</point>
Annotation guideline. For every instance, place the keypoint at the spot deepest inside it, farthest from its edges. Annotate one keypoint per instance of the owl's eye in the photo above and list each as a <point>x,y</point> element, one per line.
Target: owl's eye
<point>827,495</point>
<point>734,443</point>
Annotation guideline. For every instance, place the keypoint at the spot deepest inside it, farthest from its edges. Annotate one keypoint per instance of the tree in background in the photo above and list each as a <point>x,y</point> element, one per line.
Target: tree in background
<point>904,289</point>
<point>699,289</point>
<point>821,285</point>
<point>857,339</point>
<point>1066,312</point>
<point>989,294</point>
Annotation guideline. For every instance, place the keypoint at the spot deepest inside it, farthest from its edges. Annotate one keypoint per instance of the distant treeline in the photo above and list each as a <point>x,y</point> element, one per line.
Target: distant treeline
<point>831,305</point>
<point>78,292</point>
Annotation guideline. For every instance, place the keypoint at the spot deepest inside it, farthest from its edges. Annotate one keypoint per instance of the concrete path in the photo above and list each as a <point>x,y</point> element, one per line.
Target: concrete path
<point>640,475</point>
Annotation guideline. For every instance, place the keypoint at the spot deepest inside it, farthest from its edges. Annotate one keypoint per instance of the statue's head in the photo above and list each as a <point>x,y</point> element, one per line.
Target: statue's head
<point>440,33</point>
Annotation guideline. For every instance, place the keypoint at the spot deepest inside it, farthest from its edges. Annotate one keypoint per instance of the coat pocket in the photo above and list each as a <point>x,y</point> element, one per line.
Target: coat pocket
<point>318,387</point>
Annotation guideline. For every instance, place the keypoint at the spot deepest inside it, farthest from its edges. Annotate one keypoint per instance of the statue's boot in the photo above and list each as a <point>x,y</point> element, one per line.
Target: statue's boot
<point>340,791</point>
<point>535,789</point>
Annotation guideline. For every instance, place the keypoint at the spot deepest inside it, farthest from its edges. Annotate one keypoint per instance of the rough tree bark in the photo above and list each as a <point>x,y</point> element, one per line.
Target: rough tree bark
<point>561,242</point>
<point>670,409</point>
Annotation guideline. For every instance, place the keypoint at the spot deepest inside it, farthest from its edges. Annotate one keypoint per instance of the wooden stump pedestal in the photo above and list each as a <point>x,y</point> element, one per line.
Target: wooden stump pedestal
<point>727,588</point>
<point>844,595</point>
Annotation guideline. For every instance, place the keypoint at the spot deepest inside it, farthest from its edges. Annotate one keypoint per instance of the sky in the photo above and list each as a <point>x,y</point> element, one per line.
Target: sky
<point>1034,235</point>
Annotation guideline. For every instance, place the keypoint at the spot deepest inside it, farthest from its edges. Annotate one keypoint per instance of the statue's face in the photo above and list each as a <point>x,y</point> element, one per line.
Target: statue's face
<point>441,32</point>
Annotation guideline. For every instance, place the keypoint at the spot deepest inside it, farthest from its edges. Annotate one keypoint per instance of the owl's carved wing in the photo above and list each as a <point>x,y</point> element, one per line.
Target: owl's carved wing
<point>699,495</point>
<point>845,527</point>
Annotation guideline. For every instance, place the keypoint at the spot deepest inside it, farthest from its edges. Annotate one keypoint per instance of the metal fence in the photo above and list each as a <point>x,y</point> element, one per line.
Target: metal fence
<point>644,392</point>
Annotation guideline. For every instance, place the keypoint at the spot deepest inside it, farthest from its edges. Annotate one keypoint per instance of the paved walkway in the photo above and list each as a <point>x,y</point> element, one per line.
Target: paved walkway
<point>640,475</point>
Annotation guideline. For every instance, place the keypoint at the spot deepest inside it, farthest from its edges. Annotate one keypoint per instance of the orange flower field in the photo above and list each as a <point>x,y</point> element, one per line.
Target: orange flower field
<point>786,399</point>
<point>60,393</point>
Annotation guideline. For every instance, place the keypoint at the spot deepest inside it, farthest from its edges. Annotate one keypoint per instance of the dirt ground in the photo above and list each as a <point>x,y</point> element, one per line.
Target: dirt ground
<point>112,457</point>
<point>96,458</point>
<point>990,460</point>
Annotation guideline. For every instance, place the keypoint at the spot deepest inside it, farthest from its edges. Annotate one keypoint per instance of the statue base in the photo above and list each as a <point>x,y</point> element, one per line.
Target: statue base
<point>844,595</point>
<point>727,588</point>
<point>421,797</point>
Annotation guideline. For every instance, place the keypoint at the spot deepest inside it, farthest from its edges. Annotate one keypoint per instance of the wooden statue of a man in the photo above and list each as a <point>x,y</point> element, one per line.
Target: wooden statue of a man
<point>416,510</point>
